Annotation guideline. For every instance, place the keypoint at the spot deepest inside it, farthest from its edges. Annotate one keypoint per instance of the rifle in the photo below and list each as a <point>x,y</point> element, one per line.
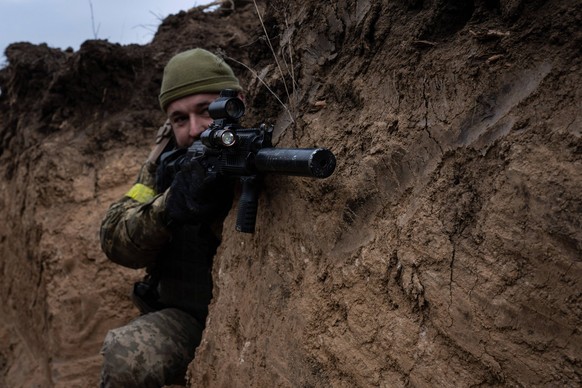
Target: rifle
<point>231,150</point>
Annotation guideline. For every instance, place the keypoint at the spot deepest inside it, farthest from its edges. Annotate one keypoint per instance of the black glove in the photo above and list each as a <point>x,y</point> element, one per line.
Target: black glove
<point>196,197</point>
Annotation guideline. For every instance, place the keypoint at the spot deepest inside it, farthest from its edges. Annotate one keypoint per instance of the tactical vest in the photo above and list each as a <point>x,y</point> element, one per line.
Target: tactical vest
<point>185,270</point>
<point>182,274</point>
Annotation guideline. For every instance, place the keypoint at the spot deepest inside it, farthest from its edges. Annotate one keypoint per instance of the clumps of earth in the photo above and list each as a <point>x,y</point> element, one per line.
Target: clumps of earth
<point>445,250</point>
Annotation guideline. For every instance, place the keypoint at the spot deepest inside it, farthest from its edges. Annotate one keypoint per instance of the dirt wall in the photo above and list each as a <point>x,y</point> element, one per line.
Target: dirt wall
<point>444,251</point>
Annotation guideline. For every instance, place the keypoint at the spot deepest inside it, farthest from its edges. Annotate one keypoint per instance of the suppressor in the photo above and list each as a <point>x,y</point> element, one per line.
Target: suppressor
<point>309,162</point>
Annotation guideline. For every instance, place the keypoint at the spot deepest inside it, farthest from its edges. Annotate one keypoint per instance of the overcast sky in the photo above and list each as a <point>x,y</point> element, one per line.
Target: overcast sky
<point>68,23</point>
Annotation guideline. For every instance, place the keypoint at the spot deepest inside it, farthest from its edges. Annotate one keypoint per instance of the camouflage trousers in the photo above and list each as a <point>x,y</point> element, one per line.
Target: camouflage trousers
<point>153,350</point>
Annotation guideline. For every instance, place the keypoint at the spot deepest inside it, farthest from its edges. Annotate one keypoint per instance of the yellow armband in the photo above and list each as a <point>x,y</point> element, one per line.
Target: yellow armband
<point>141,193</point>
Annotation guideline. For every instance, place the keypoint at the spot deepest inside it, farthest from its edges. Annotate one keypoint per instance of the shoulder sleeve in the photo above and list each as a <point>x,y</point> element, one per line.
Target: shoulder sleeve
<point>133,231</point>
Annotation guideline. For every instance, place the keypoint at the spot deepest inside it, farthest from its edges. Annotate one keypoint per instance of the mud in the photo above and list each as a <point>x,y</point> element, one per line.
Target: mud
<point>444,251</point>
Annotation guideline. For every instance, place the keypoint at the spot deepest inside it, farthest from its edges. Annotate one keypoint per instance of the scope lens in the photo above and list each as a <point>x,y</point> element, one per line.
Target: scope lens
<point>234,108</point>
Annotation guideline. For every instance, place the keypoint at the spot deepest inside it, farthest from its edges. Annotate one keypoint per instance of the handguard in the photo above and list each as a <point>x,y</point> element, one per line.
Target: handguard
<point>229,149</point>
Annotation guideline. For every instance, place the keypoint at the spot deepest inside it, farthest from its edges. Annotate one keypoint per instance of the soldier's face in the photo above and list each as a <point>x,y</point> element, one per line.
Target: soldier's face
<point>189,117</point>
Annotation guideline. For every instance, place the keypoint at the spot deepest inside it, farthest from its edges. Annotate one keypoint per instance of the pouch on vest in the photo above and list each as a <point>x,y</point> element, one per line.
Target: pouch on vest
<point>145,297</point>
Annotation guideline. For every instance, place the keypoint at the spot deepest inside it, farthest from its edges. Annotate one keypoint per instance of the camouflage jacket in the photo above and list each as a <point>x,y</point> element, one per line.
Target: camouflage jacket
<point>134,234</point>
<point>133,231</point>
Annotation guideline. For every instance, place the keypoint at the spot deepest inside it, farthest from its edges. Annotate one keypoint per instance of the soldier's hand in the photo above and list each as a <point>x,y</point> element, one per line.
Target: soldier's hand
<point>195,196</point>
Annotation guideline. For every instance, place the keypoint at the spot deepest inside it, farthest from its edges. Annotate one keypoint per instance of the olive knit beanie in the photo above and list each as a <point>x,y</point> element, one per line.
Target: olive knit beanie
<point>195,71</point>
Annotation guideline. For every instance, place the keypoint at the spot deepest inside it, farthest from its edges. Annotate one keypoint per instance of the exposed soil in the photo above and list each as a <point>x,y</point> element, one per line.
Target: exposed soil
<point>445,250</point>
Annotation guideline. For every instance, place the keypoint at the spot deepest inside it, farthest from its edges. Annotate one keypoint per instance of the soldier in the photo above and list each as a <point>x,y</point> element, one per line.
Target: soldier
<point>172,231</point>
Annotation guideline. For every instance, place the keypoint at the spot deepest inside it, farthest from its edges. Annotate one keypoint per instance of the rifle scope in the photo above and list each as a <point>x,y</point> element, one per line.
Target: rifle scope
<point>227,107</point>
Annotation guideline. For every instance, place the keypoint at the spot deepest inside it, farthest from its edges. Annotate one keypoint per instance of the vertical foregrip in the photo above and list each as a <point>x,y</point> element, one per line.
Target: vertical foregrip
<point>248,204</point>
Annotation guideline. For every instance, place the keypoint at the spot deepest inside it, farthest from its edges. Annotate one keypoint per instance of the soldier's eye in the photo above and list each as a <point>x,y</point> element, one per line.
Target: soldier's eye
<point>179,120</point>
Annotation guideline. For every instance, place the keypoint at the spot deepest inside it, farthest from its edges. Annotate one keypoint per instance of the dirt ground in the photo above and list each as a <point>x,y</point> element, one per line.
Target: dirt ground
<point>445,250</point>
